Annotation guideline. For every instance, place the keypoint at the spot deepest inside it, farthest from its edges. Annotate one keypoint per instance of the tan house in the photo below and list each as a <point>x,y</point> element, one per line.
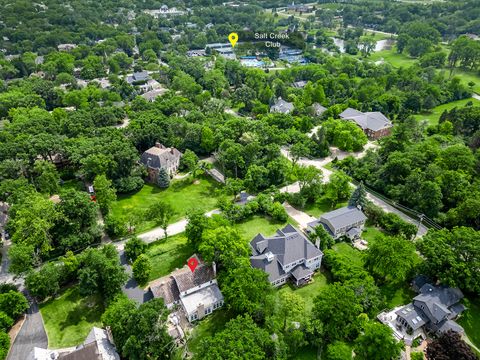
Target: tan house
<point>160,157</point>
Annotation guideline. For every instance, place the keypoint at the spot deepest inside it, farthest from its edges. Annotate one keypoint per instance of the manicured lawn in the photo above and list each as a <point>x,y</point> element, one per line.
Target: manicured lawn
<point>321,207</point>
<point>370,233</point>
<point>470,321</point>
<point>466,76</point>
<point>310,291</point>
<point>353,255</point>
<point>69,318</point>
<point>260,224</point>
<point>168,255</point>
<point>392,57</point>
<point>434,115</point>
<point>183,195</point>
<point>396,296</point>
<point>208,327</point>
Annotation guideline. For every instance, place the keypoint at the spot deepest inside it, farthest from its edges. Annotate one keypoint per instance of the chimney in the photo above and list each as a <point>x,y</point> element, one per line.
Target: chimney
<point>317,243</point>
<point>158,145</point>
<point>214,267</point>
<point>171,150</point>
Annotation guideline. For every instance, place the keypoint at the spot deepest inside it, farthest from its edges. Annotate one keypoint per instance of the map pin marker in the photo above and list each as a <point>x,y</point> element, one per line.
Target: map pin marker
<point>192,264</point>
<point>233,38</point>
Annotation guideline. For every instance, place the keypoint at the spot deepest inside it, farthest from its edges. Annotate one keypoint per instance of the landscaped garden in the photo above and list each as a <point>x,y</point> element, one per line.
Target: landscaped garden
<point>182,195</point>
<point>70,317</point>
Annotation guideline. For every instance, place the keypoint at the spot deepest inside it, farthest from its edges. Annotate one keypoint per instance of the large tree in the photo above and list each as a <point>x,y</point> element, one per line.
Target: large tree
<point>161,213</point>
<point>377,343</point>
<point>104,193</point>
<point>450,346</point>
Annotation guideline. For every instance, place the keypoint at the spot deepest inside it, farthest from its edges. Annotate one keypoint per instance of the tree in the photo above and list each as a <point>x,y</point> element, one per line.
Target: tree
<point>6,322</point>
<point>335,313</point>
<point>44,282</point>
<point>197,222</point>
<point>134,248</point>
<point>104,193</point>
<point>13,303</point>
<point>223,245</point>
<point>377,343</point>
<point>117,316</point>
<point>321,234</point>
<point>391,258</point>
<point>450,346</point>
<point>298,150</point>
<point>141,269</point>
<point>452,256</point>
<point>162,213</point>
<point>247,291</point>
<point>163,178</point>
<point>241,339</point>
<point>189,161</point>
<point>4,344</point>
<point>338,188</point>
<point>100,272</point>
<point>22,258</point>
<point>46,177</point>
<point>359,197</point>
<point>338,350</point>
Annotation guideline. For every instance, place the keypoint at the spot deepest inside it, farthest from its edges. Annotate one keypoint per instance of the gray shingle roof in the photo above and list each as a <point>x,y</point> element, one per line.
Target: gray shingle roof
<point>340,218</point>
<point>282,106</point>
<point>301,271</point>
<point>370,120</point>
<point>157,158</point>
<point>414,316</point>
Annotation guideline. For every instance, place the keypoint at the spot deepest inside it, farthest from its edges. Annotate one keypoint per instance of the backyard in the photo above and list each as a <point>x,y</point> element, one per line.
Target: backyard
<point>70,317</point>
<point>183,195</point>
<point>320,207</point>
<point>470,320</point>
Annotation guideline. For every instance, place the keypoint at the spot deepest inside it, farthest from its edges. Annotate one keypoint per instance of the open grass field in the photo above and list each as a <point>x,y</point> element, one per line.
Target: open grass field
<point>392,57</point>
<point>183,195</point>
<point>470,320</point>
<point>168,255</point>
<point>434,115</point>
<point>70,317</point>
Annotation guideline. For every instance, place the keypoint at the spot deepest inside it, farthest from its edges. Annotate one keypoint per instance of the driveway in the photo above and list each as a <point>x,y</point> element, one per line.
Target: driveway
<point>31,335</point>
<point>299,216</point>
<point>131,288</point>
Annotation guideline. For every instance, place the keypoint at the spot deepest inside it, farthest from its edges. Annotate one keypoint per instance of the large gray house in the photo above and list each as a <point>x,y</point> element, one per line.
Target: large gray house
<point>347,221</point>
<point>286,255</point>
<point>374,124</point>
<point>282,106</point>
<point>433,309</point>
<point>158,157</point>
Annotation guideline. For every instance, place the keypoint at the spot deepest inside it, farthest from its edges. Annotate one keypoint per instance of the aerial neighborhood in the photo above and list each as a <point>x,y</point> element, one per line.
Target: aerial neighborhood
<point>238,180</point>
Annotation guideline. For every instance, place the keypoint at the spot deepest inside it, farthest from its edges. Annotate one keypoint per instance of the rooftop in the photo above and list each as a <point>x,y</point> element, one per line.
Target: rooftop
<point>370,120</point>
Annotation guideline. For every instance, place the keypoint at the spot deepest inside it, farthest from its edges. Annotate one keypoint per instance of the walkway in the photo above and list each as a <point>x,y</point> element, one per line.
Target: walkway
<point>299,216</point>
<point>31,335</point>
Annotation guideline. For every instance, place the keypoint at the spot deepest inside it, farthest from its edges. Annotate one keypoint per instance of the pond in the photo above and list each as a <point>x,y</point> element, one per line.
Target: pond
<point>385,44</point>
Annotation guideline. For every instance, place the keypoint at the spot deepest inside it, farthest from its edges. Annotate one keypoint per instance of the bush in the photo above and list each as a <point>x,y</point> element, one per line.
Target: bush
<point>278,212</point>
<point>4,344</point>
<point>45,282</point>
<point>141,269</point>
<point>134,248</point>
<point>5,287</point>
<point>115,227</point>
<point>13,303</point>
<point>6,321</point>
<point>129,184</point>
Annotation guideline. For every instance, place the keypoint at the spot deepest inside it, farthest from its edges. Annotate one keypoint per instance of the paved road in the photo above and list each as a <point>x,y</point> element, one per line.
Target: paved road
<point>31,335</point>
<point>320,164</point>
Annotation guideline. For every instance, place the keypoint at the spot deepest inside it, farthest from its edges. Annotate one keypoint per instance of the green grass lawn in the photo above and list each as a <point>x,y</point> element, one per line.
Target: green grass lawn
<point>434,115</point>
<point>392,57</point>
<point>470,321</point>
<point>183,195</point>
<point>466,76</point>
<point>168,255</point>
<point>208,327</point>
<point>370,233</point>
<point>310,291</point>
<point>70,317</point>
<point>396,295</point>
<point>353,255</point>
<point>321,207</point>
<point>260,224</point>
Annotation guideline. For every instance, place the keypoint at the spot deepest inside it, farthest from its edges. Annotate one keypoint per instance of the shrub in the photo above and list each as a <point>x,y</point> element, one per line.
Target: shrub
<point>134,248</point>
<point>141,269</point>
<point>115,226</point>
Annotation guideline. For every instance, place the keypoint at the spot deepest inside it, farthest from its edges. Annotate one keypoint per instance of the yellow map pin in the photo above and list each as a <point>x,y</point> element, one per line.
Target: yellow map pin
<point>233,38</point>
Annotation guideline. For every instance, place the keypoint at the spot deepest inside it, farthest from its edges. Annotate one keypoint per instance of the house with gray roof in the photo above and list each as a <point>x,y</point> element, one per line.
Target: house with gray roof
<point>434,309</point>
<point>196,292</point>
<point>286,255</point>
<point>318,109</point>
<point>374,124</point>
<point>160,157</point>
<point>281,106</point>
<point>347,221</point>
<point>138,78</point>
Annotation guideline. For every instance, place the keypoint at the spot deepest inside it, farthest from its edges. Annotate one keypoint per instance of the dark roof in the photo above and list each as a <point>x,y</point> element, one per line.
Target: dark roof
<point>301,271</point>
<point>186,279</point>
<point>450,325</point>
<point>282,106</point>
<point>414,316</point>
<point>166,290</point>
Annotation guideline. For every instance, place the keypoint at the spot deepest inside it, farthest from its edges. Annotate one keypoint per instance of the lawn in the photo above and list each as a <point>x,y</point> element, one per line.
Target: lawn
<point>392,57</point>
<point>396,295</point>
<point>208,327</point>
<point>260,224</point>
<point>168,255</point>
<point>470,321</point>
<point>321,207</point>
<point>466,76</point>
<point>310,291</point>
<point>183,195</point>
<point>353,255</point>
<point>70,317</point>
<point>434,115</point>
<point>370,233</point>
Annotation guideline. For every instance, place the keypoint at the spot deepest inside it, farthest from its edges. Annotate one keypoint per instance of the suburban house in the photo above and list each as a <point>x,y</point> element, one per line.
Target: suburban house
<point>347,221</point>
<point>196,292</point>
<point>374,124</point>
<point>138,77</point>
<point>433,309</point>
<point>160,157</point>
<point>97,346</point>
<point>281,106</point>
<point>286,255</point>
<point>318,109</point>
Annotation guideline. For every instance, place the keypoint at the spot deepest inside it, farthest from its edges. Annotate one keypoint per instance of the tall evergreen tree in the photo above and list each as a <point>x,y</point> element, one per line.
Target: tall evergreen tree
<point>359,197</point>
<point>163,178</point>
